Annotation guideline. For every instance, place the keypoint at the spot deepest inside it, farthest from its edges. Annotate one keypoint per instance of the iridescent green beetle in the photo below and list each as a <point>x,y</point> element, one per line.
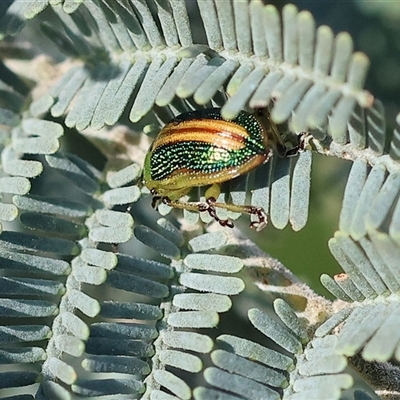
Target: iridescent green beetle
<point>200,148</point>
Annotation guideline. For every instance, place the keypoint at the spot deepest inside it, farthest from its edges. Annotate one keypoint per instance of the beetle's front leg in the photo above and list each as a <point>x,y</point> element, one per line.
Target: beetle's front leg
<point>303,140</point>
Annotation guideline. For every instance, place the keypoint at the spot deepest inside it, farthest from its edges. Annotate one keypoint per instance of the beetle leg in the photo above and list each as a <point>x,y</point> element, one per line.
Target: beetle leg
<point>199,206</point>
<point>252,210</point>
<point>190,206</point>
<point>210,206</point>
<point>303,140</point>
<point>226,222</point>
<point>156,201</point>
<point>213,192</point>
<point>211,203</point>
<point>262,218</point>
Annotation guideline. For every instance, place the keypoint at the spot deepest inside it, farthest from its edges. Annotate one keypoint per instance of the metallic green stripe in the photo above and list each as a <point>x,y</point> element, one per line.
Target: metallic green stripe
<point>199,157</point>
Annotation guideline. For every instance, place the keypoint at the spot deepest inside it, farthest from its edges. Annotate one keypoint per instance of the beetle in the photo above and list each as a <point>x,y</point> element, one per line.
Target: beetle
<point>199,148</point>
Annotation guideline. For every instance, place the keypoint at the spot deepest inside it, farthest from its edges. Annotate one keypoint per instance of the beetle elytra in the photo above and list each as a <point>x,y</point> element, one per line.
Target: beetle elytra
<point>200,148</point>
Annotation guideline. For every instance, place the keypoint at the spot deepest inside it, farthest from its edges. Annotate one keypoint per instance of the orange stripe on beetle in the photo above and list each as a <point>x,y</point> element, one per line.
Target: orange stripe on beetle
<point>219,133</point>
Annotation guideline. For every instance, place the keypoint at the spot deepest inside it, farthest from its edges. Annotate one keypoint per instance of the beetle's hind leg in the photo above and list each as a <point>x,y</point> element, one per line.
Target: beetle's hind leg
<point>200,207</point>
<point>243,209</point>
<point>212,194</point>
<point>211,205</point>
